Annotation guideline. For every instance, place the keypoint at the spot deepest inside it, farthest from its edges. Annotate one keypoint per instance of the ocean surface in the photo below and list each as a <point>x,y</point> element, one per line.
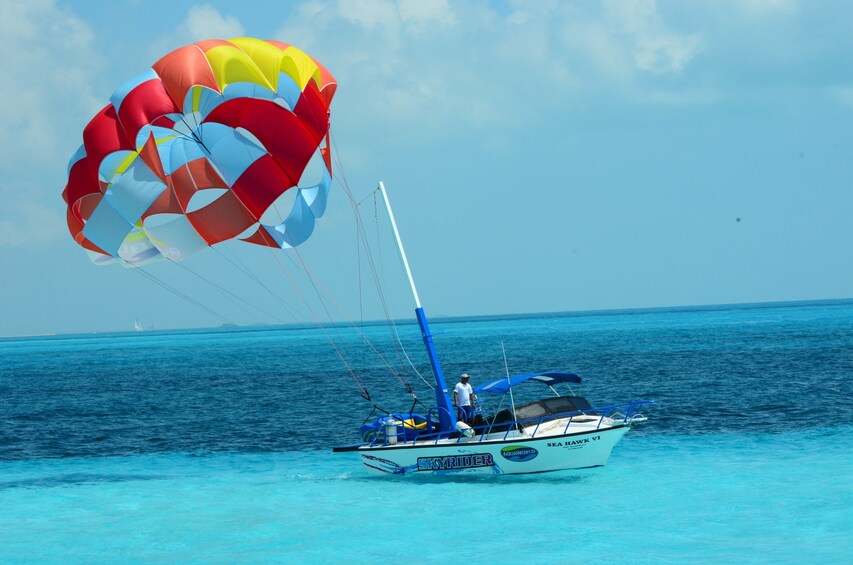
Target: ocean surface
<point>214,446</point>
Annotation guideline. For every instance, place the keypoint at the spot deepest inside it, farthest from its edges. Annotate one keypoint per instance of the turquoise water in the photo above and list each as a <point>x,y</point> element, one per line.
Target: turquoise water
<point>149,449</point>
<point>677,499</point>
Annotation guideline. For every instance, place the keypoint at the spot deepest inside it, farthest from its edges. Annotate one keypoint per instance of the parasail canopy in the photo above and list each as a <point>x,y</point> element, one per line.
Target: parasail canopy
<point>195,150</point>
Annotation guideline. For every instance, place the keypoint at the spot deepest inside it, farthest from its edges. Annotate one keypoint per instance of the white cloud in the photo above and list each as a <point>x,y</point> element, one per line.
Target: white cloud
<point>478,66</point>
<point>32,224</point>
<point>202,21</point>
<point>434,67</point>
<point>205,22</point>
<point>655,48</point>
<point>46,97</point>
<point>47,76</point>
<point>665,54</point>
<point>844,95</point>
<point>420,15</point>
<point>52,87</point>
<point>379,15</point>
<point>768,6</point>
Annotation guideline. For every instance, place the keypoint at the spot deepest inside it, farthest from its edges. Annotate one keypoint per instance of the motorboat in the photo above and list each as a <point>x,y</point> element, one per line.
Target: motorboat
<point>554,432</point>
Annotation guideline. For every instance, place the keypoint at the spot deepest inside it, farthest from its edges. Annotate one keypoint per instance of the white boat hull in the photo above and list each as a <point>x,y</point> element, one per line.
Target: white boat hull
<point>581,447</point>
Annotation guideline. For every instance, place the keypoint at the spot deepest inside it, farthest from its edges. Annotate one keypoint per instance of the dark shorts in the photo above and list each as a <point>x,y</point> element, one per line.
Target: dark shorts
<point>465,413</point>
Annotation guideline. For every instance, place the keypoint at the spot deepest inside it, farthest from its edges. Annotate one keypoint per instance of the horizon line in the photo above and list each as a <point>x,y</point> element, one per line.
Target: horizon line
<point>453,318</point>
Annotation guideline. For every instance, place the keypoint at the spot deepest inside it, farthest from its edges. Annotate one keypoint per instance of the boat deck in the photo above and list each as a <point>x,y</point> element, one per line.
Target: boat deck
<point>550,426</point>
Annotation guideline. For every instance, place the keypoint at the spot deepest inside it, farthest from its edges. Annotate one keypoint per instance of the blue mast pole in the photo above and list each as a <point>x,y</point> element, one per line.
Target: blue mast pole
<point>446,417</point>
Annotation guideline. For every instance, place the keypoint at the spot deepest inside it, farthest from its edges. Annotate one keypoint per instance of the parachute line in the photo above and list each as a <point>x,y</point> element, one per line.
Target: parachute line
<point>178,293</point>
<point>316,283</point>
<point>233,298</point>
<point>195,132</point>
<point>237,264</point>
<point>362,235</point>
<point>322,327</point>
<point>392,325</point>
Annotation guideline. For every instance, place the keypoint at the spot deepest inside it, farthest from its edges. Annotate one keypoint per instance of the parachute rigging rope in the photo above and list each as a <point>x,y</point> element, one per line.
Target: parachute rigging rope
<point>317,286</point>
<point>389,319</point>
<point>371,262</point>
<point>178,293</point>
<point>235,299</point>
<point>315,283</point>
<point>322,327</point>
<point>363,237</point>
<point>195,132</point>
<point>236,263</point>
<point>373,271</point>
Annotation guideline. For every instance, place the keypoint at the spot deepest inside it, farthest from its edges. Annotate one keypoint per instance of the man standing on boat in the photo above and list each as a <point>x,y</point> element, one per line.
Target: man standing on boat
<point>463,399</point>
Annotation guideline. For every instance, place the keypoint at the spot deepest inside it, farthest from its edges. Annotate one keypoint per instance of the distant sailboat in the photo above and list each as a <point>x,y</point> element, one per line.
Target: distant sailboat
<point>137,326</point>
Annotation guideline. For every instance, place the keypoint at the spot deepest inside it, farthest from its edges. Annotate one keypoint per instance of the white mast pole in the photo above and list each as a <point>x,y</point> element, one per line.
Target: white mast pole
<point>400,244</point>
<point>509,385</point>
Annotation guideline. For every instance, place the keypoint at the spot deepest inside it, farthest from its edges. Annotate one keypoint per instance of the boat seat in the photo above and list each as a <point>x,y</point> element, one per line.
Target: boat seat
<point>411,425</point>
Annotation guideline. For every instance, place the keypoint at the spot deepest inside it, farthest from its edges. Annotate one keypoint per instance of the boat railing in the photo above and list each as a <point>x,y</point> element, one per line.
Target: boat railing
<point>628,413</point>
<point>437,411</point>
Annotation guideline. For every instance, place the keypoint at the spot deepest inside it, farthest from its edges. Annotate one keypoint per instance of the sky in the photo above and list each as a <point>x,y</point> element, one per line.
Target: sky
<point>542,156</point>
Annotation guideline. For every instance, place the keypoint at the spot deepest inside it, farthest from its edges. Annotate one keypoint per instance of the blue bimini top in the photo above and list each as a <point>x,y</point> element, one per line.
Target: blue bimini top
<point>502,385</point>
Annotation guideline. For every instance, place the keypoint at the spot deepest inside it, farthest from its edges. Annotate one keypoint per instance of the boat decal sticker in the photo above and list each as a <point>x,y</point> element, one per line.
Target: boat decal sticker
<point>385,465</point>
<point>519,453</point>
<point>574,443</point>
<point>452,462</point>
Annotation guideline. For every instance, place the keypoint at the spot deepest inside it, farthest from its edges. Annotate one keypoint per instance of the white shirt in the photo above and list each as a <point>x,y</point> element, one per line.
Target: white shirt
<point>463,394</point>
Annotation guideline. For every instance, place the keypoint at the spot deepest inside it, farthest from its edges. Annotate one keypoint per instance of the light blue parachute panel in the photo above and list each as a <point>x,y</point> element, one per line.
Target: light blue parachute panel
<point>181,152</point>
<point>138,249</point>
<point>318,196</point>
<point>247,90</point>
<point>107,228</point>
<point>201,100</point>
<point>231,152</point>
<point>174,236</point>
<point>123,90</point>
<point>112,163</point>
<point>309,205</point>
<point>298,226</point>
<point>288,90</point>
<point>134,191</point>
<point>122,206</point>
<point>79,154</point>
